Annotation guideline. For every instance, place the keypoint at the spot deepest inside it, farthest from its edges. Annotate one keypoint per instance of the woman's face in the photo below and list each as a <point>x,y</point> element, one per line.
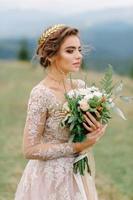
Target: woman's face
<point>69,56</point>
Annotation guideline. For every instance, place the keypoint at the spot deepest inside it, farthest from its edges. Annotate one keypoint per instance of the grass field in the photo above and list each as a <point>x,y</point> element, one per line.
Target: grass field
<point>113,154</point>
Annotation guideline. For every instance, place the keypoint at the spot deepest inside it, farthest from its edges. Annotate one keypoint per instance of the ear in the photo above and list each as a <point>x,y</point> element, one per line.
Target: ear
<point>51,59</point>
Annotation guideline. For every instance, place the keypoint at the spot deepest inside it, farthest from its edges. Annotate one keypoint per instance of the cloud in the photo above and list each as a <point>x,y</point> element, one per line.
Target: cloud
<point>68,6</point>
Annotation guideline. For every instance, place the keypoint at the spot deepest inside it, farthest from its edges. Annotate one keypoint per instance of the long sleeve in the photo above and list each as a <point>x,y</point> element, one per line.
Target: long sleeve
<point>33,147</point>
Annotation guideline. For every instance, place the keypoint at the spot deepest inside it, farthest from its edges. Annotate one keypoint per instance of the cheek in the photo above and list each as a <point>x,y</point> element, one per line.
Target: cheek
<point>67,58</point>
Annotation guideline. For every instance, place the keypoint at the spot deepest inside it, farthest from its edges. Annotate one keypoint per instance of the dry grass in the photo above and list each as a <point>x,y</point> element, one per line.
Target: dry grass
<point>113,153</point>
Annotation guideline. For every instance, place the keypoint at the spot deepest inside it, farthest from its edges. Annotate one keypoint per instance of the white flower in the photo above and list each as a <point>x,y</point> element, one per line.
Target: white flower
<point>70,94</point>
<point>84,104</point>
<point>88,93</point>
<point>93,89</point>
<point>98,94</point>
<point>89,96</point>
<point>110,100</point>
<point>82,91</point>
<point>73,93</point>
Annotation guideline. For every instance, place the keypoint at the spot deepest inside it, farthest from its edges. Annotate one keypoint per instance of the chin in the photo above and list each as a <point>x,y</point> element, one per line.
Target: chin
<point>76,69</point>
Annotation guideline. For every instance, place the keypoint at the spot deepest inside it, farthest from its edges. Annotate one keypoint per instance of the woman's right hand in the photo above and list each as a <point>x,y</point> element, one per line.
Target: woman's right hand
<point>96,131</point>
<point>91,139</point>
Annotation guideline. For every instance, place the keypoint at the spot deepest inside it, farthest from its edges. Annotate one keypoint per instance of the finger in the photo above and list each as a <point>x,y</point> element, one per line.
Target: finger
<point>103,128</point>
<point>102,131</point>
<point>97,135</point>
<point>93,139</point>
<point>89,122</point>
<point>97,139</point>
<point>87,127</point>
<point>94,133</point>
<point>97,114</point>
<point>95,122</point>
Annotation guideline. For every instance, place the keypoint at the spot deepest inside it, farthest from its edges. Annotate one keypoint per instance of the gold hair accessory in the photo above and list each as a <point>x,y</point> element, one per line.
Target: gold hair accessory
<point>51,30</point>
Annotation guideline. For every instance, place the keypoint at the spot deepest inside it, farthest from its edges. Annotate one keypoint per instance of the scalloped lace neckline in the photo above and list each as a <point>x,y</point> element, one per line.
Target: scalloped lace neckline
<point>53,93</point>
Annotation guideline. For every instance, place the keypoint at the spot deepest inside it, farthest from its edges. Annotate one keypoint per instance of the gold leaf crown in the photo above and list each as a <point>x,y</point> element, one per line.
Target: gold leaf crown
<point>51,30</point>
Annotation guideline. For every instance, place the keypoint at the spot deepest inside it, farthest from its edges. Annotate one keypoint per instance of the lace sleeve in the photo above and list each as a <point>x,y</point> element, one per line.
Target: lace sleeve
<point>33,147</point>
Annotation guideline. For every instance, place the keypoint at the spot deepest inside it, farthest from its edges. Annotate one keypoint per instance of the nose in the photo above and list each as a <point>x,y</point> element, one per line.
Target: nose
<point>78,55</point>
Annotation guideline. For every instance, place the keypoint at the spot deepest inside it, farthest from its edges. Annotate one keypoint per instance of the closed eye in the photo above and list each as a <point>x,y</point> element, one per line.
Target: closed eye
<point>69,51</point>
<point>72,50</point>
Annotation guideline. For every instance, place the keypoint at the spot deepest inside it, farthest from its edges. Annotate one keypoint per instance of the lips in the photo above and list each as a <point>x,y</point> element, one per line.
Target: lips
<point>77,63</point>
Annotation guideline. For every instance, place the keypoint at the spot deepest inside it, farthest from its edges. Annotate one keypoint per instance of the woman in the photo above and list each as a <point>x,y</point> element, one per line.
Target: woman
<point>49,172</point>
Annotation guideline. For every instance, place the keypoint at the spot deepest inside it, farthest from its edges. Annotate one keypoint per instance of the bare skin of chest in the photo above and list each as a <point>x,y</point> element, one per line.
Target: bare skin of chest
<point>59,89</point>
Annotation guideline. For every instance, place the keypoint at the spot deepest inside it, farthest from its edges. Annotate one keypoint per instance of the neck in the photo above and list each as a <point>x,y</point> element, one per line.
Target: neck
<point>57,74</point>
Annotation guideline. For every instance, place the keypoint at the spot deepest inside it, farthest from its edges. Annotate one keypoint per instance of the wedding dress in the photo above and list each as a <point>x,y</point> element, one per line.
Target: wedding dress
<point>49,174</point>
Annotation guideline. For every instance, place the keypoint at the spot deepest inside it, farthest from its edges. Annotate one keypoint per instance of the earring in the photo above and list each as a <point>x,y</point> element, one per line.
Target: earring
<point>52,60</point>
<point>47,61</point>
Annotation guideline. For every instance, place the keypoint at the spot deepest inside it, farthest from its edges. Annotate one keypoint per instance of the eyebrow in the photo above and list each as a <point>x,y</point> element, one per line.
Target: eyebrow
<point>72,47</point>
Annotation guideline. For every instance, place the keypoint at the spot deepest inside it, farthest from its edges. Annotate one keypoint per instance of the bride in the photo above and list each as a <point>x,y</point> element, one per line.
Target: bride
<point>48,174</point>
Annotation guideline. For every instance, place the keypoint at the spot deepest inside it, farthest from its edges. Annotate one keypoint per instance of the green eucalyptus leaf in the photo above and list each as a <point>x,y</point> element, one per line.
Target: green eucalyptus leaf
<point>118,89</point>
<point>119,112</point>
<point>126,98</point>
<point>71,119</point>
<point>106,82</point>
<point>72,126</point>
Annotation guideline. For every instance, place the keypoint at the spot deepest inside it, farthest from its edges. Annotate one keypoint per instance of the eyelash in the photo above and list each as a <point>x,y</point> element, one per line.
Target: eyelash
<point>71,51</point>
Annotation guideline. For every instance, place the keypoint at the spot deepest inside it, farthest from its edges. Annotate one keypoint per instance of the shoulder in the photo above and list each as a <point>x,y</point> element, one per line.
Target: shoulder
<point>38,99</point>
<point>37,91</point>
<point>39,94</point>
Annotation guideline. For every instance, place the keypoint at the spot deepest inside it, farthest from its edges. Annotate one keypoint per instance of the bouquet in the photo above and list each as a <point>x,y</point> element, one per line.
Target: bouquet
<point>99,101</point>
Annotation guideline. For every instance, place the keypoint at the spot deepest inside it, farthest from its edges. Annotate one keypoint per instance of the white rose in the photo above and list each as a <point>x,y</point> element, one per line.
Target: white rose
<point>82,91</point>
<point>73,93</point>
<point>98,94</point>
<point>89,96</point>
<point>84,104</point>
<point>93,88</point>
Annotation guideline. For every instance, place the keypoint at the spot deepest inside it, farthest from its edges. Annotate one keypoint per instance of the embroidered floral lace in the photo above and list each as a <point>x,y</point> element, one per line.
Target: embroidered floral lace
<point>48,174</point>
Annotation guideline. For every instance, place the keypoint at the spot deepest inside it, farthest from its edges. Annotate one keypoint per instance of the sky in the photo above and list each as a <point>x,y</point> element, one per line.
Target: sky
<point>71,6</point>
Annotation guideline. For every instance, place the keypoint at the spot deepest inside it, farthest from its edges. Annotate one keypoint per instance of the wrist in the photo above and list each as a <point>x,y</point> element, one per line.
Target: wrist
<point>77,147</point>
